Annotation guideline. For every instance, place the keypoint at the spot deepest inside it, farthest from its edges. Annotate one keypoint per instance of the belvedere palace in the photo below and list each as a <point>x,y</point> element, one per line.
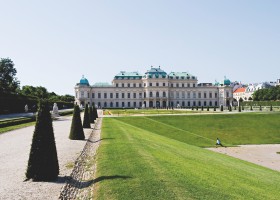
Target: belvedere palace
<point>154,89</point>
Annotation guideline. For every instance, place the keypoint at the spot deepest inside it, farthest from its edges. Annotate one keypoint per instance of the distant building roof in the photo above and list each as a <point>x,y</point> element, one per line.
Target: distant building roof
<point>84,81</point>
<point>239,90</point>
<point>181,75</point>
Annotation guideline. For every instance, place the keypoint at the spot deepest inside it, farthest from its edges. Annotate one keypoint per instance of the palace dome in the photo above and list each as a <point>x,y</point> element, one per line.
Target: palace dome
<point>84,81</point>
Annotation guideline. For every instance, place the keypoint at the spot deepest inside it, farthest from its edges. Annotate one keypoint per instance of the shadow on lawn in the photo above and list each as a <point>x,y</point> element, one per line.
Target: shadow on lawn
<point>101,139</point>
<point>84,184</point>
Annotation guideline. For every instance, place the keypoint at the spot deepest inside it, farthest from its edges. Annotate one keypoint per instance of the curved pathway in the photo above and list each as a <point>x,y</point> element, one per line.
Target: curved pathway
<point>14,152</point>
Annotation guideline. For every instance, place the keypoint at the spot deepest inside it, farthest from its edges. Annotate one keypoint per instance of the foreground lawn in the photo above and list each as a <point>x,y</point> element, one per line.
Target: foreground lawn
<point>202,130</point>
<point>136,163</point>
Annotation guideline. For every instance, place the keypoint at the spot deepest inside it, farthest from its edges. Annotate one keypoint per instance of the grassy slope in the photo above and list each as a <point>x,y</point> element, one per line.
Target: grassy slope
<point>134,163</point>
<point>202,130</point>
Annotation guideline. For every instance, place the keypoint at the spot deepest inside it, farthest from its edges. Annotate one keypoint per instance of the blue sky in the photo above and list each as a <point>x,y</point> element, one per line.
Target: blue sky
<point>54,43</point>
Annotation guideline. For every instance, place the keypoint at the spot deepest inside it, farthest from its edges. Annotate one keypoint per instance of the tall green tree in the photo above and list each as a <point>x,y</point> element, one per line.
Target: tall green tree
<point>86,122</point>
<point>76,132</point>
<point>43,162</point>
<point>91,117</point>
<point>8,81</point>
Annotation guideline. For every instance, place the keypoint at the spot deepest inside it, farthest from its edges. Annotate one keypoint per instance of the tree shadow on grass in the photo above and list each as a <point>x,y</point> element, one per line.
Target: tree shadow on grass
<point>100,140</point>
<point>85,184</point>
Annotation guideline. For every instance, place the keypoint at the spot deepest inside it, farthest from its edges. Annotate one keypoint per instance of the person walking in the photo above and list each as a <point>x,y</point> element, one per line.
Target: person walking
<point>218,142</point>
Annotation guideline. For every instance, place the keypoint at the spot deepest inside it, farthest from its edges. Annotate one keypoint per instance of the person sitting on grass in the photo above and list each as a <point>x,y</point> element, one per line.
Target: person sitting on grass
<point>219,143</point>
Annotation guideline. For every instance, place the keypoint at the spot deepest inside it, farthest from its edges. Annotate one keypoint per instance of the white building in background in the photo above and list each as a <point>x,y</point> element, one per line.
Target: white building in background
<point>155,88</point>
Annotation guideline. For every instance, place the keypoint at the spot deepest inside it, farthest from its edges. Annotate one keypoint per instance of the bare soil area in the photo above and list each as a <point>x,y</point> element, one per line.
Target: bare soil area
<point>264,155</point>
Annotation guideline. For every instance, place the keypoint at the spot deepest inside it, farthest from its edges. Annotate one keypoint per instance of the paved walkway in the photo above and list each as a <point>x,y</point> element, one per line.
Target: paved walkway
<point>264,155</point>
<point>14,152</point>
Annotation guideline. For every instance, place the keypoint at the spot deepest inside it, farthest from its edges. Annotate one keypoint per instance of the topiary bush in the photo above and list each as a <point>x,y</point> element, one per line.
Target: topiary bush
<point>239,108</point>
<point>214,108</point>
<point>222,108</point>
<point>91,116</point>
<point>207,108</point>
<point>271,108</point>
<point>43,162</point>
<point>76,132</point>
<point>86,122</point>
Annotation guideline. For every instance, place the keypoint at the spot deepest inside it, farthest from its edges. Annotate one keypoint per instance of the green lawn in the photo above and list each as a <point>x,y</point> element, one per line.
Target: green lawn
<point>137,161</point>
<point>202,130</point>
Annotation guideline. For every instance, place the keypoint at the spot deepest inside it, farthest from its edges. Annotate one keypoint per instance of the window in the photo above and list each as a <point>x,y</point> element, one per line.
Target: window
<point>171,94</point>
<point>157,84</point>
<point>144,84</point>
<point>117,95</point>
<point>128,95</point>
<point>157,94</point>
<point>216,103</point>
<point>171,84</point>
<point>189,103</point>
<point>210,103</point>
<point>105,95</point>
<point>183,94</point>
<point>105,104</point>
<point>199,103</point>
<point>210,95</point>
<point>82,94</point>
<point>177,85</point>
<point>205,95</point>
<point>140,95</point>
<point>76,94</point>
<point>193,85</point>
<point>134,84</point>
<point>177,95</point>
<point>117,85</point>
<point>111,95</point>
<point>123,95</point>
<point>99,95</point>
<point>88,95</point>
<point>164,94</point>
<point>134,104</point>
<point>117,104</point>
<point>122,84</point>
<point>151,94</point>
<point>183,85</point>
<point>123,104</point>
<point>128,104</point>
<point>194,103</point>
<point>144,94</point>
<point>204,103</point>
<point>194,95</point>
<point>140,85</point>
<point>188,85</point>
<point>216,95</point>
<point>128,85</point>
<point>140,104</point>
<point>189,95</point>
<point>111,104</point>
<point>92,95</point>
<point>199,95</point>
<point>134,95</point>
<point>227,94</point>
<point>151,84</point>
<point>177,77</point>
<point>163,84</point>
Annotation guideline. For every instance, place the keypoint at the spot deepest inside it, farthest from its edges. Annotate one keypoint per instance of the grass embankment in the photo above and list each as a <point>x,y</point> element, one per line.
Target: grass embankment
<point>136,163</point>
<point>127,112</point>
<point>202,130</point>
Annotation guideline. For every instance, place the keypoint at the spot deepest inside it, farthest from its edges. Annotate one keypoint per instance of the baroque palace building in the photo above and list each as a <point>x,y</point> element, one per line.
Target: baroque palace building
<point>154,89</point>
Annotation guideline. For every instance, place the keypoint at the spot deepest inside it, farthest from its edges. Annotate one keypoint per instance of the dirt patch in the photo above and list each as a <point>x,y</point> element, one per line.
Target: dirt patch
<point>265,155</point>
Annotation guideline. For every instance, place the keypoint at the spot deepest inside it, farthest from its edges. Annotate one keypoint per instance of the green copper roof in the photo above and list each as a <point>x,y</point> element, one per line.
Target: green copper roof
<point>129,75</point>
<point>101,84</point>
<point>156,71</point>
<point>181,75</point>
<point>84,81</point>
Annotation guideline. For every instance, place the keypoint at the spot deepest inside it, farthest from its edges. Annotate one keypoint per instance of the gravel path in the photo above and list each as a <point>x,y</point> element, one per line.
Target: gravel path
<point>264,155</point>
<point>14,152</point>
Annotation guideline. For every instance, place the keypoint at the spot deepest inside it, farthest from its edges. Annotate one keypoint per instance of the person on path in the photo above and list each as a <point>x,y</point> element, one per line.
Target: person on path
<point>218,142</point>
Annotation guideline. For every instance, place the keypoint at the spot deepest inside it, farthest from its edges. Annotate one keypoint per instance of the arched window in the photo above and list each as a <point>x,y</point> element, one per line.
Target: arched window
<point>157,94</point>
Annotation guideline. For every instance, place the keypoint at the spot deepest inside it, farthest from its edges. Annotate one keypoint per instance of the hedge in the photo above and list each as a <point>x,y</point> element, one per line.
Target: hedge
<point>260,103</point>
<point>13,103</point>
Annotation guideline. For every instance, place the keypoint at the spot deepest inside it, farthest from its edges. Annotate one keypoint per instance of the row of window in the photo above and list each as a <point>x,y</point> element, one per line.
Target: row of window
<point>156,84</point>
<point>157,104</point>
<point>155,76</point>
<point>151,94</point>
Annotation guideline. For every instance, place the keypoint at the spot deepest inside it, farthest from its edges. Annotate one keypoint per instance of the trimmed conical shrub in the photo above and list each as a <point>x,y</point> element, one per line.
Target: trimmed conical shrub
<point>43,162</point>
<point>239,108</point>
<point>76,132</point>
<point>95,112</point>
<point>207,108</point>
<point>214,108</point>
<point>86,122</point>
<point>222,108</point>
<point>271,108</point>
<point>91,117</point>
<point>251,107</point>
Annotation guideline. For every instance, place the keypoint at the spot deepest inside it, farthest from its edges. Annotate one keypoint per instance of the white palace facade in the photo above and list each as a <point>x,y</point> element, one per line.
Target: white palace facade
<point>154,89</point>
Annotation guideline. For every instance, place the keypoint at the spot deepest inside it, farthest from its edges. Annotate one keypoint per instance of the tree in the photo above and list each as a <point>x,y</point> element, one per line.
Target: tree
<point>251,107</point>
<point>76,132</point>
<point>86,123</point>
<point>214,108</point>
<point>8,81</point>
<point>271,108</point>
<point>43,162</point>
<point>239,108</point>
<point>207,108</point>
<point>222,108</point>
